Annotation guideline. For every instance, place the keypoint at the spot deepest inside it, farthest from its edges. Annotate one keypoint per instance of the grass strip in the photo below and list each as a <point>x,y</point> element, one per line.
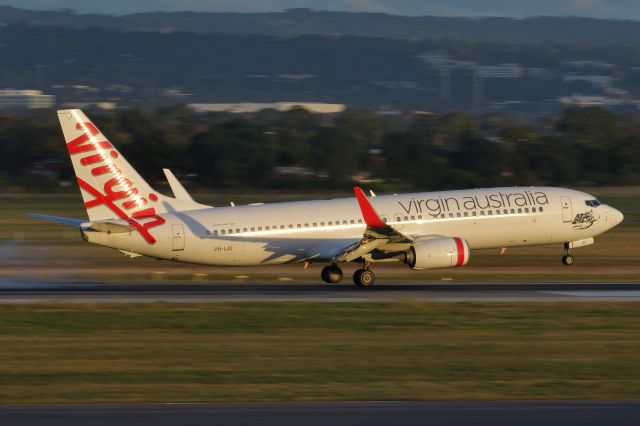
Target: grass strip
<point>294,351</point>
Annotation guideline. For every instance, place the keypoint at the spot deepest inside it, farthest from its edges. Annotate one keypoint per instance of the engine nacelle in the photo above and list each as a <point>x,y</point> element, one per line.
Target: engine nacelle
<point>445,252</point>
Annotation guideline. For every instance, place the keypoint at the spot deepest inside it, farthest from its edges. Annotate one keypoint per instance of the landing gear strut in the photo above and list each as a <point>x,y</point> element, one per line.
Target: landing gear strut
<point>567,259</point>
<point>331,274</point>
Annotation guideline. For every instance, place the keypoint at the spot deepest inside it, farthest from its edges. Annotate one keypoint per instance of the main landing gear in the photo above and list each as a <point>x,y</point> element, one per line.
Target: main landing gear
<point>364,277</point>
<point>567,259</point>
<point>331,274</point>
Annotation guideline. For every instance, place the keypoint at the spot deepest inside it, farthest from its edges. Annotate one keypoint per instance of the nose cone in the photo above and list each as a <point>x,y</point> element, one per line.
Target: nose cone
<point>615,216</point>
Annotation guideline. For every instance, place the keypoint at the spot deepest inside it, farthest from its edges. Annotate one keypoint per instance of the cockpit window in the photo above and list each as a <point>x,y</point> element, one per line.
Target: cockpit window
<point>592,203</point>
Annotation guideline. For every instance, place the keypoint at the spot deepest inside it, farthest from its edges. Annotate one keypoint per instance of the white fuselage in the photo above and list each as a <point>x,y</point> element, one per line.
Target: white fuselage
<point>316,230</point>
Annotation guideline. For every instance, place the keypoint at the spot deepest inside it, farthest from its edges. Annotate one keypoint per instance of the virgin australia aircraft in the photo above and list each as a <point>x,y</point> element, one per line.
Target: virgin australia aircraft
<point>423,230</point>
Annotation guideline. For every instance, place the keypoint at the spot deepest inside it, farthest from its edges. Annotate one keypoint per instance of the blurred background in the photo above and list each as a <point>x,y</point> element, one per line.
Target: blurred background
<point>259,103</point>
<point>282,100</point>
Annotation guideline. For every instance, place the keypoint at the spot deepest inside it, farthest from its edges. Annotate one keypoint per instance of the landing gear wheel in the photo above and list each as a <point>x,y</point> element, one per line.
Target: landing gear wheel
<point>331,274</point>
<point>364,278</point>
<point>567,259</point>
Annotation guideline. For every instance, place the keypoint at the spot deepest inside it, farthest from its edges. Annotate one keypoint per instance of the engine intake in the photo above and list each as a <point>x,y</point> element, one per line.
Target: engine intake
<point>445,252</point>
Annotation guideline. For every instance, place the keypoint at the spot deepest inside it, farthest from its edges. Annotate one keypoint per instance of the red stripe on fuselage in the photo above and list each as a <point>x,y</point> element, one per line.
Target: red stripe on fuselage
<point>460,248</point>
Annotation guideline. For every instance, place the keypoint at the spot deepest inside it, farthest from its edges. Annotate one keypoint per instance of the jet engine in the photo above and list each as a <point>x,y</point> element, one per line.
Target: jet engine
<point>444,252</point>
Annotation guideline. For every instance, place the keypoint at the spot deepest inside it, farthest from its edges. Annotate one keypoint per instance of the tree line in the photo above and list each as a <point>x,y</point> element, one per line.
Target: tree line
<point>296,150</point>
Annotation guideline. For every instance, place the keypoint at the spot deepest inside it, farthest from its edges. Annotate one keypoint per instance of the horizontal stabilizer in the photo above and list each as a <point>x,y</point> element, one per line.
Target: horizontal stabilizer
<point>176,187</point>
<point>57,219</point>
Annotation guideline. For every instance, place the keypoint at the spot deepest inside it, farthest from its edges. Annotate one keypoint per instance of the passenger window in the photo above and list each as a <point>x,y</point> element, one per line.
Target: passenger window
<point>473,213</point>
<point>533,209</point>
<point>385,220</point>
<point>298,226</point>
<point>315,224</point>
<point>330,223</point>
<point>230,231</point>
<point>353,221</point>
<point>266,228</point>
<point>406,218</point>
<point>222,232</point>
<point>290,226</point>
<point>215,233</point>
<point>458,214</point>
<point>398,219</point>
<point>413,218</point>
<point>482,213</point>
<point>419,217</point>
<point>466,214</point>
<point>540,209</point>
<point>442,216</point>
<point>237,230</point>
<point>321,223</point>
<point>513,211</point>
<point>505,211</point>
<point>450,215</point>
<point>489,213</point>
<point>253,229</point>
<point>519,210</point>
<point>344,222</point>
<point>526,210</point>
<point>281,226</point>
<point>360,221</point>
<point>259,228</point>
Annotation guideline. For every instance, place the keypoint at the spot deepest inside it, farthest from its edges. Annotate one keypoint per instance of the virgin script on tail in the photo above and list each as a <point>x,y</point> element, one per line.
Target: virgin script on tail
<point>115,189</point>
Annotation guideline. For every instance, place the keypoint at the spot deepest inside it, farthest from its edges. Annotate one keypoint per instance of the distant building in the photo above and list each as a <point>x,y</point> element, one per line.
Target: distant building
<point>500,71</point>
<point>248,107</point>
<point>106,106</point>
<point>601,81</point>
<point>25,99</point>
<point>588,101</point>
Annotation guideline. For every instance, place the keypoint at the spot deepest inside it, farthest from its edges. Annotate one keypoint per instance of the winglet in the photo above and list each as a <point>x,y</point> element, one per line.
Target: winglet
<point>370,216</point>
<point>176,187</point>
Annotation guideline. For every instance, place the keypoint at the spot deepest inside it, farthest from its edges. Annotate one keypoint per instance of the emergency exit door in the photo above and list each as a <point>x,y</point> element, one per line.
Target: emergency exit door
<point>178,237</point>
<point>567,211</point>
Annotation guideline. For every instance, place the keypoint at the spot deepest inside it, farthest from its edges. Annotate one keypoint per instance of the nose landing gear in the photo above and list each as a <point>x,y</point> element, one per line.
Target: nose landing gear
<point>567,259</point>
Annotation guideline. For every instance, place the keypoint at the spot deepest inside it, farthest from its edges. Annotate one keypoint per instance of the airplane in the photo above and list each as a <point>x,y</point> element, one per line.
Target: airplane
<point>428,230</point>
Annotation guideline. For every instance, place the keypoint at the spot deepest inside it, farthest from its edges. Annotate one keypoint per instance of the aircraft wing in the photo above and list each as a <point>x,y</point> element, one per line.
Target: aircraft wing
<point>176,187</point>
<point>377,236</point>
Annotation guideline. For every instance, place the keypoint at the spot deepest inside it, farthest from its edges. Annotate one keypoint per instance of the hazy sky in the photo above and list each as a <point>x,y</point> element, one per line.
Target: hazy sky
<point>623,9</point>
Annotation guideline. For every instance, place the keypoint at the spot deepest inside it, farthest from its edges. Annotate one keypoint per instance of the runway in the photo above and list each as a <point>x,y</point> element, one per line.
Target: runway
<point>210,293</point>
<point>567,413</point>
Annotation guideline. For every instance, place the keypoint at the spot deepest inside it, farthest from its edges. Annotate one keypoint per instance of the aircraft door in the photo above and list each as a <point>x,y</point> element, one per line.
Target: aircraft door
<point>178,237</point>
<point>567,211</point>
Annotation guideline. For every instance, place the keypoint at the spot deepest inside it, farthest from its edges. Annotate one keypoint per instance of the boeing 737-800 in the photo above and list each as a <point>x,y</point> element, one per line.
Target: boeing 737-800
<point>422,230</point>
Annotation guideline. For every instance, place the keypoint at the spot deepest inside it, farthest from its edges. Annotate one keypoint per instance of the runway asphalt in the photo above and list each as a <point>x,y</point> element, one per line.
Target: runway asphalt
<point>16,292</point>
<point>527,413</point>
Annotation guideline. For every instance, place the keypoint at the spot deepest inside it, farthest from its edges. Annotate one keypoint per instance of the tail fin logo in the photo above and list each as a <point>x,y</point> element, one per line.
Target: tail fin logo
<point>100,157</point>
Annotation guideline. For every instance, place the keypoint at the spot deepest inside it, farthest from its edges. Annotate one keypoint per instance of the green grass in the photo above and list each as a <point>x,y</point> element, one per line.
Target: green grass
<point>306,351</point>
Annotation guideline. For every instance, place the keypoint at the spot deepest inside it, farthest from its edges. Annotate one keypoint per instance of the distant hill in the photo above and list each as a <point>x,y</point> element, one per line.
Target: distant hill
<point>566,30</point>
<point>154,68</point>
